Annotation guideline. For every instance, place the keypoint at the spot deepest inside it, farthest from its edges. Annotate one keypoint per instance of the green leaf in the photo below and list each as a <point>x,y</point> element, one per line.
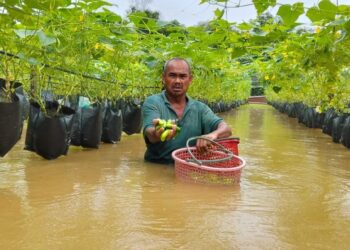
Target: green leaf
<point>105,40</point>
<point>296,87</point>
<point>314,14</point>
<point>262,5</point>
<point>223,24</point>
<point>276,35</point>
<point>137,18</point>
<point>21,16</point>
<point>347,26</point>
<point>344,10</point>
<point>151,62</point>
<point>98,4</point>
<point>12,2</point>
<point>238,51</point>
<point>33,61</point>
<point>244,26</point>
<point>343,36</point>
<point>290,13</point>
<point>219,13</point>
<point>338,22</point>
<point>47,4</point>
<point>24,33</point>
<point>6,20</point>
<point>124,41</point>
<point>346,110</point>
<point>30,60</point>
<point>108,17</point>
<point>328,9</point>
<point>45,40</point>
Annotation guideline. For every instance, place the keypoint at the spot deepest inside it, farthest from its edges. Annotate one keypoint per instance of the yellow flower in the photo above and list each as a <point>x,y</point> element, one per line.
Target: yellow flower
<point>338,33</point>
<point>10,77</point>
<point>97,46</point>
<point>81,18</point>
<point>318,109</point>
<point>267,77</point>
<point>318,29</point>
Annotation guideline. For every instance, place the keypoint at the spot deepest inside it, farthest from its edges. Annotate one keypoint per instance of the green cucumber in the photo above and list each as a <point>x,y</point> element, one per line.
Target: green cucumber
<point>164,135</point>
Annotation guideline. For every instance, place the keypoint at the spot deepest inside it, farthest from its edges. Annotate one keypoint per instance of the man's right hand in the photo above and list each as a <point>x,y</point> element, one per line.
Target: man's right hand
<point>157,132</point>
<point>154,134</point>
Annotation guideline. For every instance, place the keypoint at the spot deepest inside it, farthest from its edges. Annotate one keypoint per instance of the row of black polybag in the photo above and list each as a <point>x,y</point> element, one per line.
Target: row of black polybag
<point>332,123</point>
<point>218,107</point>
<point>65,123</point>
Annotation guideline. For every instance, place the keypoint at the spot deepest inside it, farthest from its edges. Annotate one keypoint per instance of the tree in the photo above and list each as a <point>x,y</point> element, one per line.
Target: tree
<point>140,4</point>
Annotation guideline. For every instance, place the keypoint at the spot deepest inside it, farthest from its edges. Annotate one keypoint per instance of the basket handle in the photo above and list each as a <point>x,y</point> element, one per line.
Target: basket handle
<point>228,138</point>
<point>200,162</point>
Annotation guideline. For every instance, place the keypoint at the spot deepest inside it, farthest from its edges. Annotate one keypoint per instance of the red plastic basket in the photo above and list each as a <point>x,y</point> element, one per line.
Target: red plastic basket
<point>214,167</point>
<point>231,143</point>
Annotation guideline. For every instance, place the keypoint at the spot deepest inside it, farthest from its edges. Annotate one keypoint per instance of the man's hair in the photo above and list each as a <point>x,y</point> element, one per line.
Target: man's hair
<point>165,67</point>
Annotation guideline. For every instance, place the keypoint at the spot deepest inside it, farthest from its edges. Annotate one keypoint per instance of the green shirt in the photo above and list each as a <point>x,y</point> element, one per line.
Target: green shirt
<point>197,119</point>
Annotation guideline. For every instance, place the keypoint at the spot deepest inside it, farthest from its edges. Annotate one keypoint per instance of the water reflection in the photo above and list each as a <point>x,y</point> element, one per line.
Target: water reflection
<point>173,207</point>
<point>302,177</point>
<point>11,218</point>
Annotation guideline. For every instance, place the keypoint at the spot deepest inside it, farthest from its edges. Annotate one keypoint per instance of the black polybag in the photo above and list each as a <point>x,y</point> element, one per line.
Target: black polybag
<point>132,117</point>
<point>49,134</point>
<point>10,124</point>
<point>112,124</point>
<point>345,136</point>
<point>87,126</point>
<point>337,127</point>
<point>327,126</point>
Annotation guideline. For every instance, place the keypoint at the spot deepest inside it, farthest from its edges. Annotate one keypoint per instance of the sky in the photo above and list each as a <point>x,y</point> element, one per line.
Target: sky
<point>190,12</point>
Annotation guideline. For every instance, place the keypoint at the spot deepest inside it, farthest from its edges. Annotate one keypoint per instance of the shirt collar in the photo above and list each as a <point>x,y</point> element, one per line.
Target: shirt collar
<point>188,98</point>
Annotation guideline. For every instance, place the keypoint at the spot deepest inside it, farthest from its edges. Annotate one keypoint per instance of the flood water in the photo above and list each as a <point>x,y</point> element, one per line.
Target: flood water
<point>294,194</point>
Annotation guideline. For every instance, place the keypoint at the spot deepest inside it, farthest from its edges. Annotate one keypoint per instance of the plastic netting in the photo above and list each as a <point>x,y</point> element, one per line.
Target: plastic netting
<point>216,172</point>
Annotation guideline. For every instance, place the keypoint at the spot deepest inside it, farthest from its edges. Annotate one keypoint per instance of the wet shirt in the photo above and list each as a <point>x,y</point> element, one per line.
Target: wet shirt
<point>197,119</point>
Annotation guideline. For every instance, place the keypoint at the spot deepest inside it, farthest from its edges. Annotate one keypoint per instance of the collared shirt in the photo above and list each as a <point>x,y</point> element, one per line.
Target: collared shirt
<point>197,119</point>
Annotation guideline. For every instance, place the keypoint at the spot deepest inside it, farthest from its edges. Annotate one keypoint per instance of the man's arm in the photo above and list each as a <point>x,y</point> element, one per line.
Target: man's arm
<point>223,130</point>
<point>150,112</point>
<point>154,134</point>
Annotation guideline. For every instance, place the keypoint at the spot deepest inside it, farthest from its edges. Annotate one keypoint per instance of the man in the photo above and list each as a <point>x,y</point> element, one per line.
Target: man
<point>194,117</point>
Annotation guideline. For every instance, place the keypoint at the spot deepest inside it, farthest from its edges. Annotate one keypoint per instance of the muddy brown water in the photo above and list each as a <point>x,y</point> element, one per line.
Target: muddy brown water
<point>294,194</point>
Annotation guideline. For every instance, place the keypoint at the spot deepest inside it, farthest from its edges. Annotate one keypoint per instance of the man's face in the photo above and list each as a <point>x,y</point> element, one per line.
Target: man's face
<point>177,78</point>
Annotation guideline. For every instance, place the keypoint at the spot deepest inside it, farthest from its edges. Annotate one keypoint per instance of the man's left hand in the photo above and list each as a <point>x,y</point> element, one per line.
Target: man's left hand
<point>203,145</point>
